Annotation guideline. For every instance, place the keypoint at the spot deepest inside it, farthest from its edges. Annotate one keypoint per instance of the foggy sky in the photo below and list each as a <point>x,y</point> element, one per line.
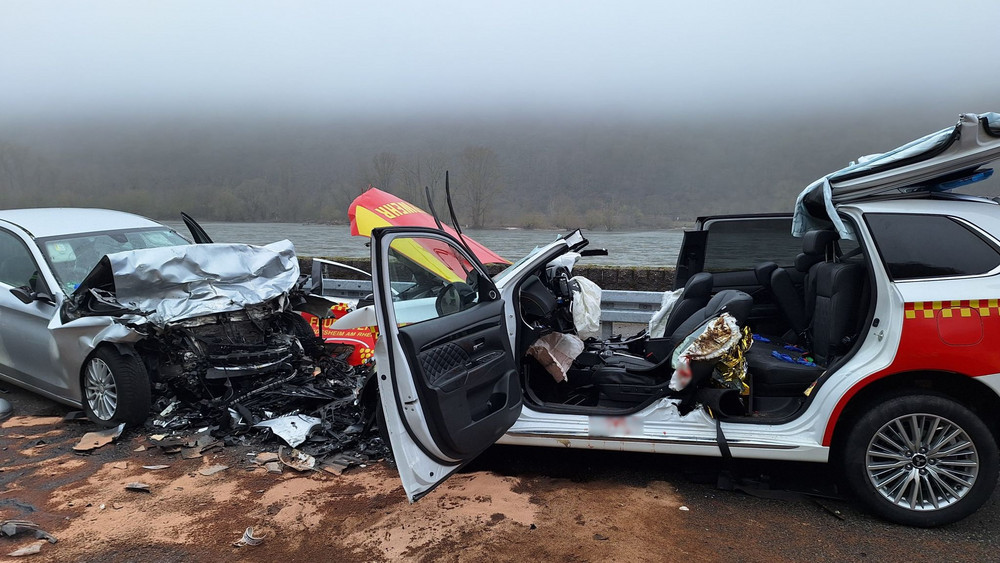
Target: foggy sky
<point>62,58</point>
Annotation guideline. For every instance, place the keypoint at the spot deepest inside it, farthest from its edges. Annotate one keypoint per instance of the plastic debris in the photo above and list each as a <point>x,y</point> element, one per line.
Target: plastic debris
<point>212,470</point>
<point>293,429</point>
<point>138,487</point>
<point>684,509</point>
<point>94,440</point>
<point>248,538</point>
<point>11,528</point>
<point>155,467</point>
<point>297,460</point>
<point>28,550</point>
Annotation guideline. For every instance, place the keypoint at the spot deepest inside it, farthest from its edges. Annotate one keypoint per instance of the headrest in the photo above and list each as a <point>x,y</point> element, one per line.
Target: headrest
<point>805,261</point>
<point>698,285</point>
<point>816,242</point>
<point>764,271</point>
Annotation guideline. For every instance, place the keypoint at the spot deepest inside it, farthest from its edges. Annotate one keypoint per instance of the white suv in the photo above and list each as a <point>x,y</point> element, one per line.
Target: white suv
<point>876,340</point>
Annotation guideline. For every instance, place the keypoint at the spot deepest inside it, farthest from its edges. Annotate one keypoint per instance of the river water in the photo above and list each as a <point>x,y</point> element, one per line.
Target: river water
<point>642,248</point>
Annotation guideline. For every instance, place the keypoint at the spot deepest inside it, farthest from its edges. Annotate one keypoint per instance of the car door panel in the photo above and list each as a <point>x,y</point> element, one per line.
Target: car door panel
<point>465,373</point>
<point>449,383</point>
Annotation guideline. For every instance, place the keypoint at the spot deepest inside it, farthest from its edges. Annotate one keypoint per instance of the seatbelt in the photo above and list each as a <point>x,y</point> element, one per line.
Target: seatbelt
<point>720,438</point>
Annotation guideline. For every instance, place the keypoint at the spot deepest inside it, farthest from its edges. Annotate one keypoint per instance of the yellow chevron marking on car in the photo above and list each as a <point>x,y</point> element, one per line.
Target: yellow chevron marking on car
<point>949,309</point>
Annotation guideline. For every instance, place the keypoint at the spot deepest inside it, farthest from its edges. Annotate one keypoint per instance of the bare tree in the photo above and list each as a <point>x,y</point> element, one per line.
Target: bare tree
<point>384,167</point>
<point>480,182</point>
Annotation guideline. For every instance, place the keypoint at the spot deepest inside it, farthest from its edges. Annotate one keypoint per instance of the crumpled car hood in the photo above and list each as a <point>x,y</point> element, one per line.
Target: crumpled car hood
<point>180,282</point>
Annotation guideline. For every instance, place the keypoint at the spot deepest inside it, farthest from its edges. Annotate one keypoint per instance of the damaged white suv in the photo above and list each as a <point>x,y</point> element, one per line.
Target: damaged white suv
<point>100,308</point>
<point>874,341</point>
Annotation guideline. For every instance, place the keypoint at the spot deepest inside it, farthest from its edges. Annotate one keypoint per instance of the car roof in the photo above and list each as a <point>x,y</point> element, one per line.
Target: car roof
<point>956,206</point>
<point>57,221</point>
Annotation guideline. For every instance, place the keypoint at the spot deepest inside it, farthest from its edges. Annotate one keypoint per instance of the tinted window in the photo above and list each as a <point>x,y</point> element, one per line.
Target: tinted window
<point>741,244</point>
<point>929,246</point>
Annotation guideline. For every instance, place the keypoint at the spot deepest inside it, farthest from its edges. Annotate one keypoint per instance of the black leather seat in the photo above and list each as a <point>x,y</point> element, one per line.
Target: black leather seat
<point>825,316</point>
<point>630,380</point>
<point>697,292</point>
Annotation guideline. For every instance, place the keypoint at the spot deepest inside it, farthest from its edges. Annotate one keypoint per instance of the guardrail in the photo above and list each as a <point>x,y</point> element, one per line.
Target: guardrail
<point>622,312</point>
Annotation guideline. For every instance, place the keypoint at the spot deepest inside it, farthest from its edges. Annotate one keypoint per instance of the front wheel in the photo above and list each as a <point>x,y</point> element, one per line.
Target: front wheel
<point>115,389</point>
<point>921,460</point>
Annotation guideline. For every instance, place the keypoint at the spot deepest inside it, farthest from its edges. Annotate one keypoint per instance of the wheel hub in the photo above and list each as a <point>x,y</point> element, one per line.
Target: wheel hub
<point>922,462</point>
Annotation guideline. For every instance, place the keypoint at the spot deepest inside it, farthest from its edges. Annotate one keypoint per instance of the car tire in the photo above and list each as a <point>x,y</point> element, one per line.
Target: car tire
<point>921,460</point>
<point>116,389</point>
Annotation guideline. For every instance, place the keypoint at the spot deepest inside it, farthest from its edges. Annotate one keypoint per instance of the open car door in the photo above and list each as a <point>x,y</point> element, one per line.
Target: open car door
<point>447,376</point>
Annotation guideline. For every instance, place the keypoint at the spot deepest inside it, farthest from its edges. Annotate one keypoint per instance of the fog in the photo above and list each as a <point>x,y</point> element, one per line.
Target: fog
<point>616,104</point>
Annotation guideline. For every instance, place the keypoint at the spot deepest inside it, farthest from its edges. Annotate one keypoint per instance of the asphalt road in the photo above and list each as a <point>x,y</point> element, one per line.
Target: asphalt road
<point>768,511</point>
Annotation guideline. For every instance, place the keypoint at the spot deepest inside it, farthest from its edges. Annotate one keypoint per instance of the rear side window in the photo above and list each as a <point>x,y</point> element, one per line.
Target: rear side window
<point>741,244</point>
<point>930,246</point>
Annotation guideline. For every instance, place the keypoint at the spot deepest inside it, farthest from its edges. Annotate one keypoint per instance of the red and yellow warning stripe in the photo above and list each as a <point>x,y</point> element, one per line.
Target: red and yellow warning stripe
<point>964,308</point>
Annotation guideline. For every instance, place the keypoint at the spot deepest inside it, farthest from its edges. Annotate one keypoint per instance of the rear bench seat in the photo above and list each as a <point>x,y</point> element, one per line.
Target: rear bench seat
<point>831,303</point>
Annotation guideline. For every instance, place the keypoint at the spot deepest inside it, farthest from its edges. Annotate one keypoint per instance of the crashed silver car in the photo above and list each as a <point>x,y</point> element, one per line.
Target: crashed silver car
<point>100,309</point>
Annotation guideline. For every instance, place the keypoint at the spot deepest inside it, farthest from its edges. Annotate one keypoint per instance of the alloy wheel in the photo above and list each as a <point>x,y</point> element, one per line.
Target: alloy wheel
<point>101,390</point>
<point>922,462</point>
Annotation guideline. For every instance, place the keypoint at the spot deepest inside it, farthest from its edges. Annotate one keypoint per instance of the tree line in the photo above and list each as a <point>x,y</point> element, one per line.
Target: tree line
<point>532,173</point>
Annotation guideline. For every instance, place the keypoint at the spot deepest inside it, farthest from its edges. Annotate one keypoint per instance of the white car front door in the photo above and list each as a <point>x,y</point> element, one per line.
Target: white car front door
<point>447,377</point>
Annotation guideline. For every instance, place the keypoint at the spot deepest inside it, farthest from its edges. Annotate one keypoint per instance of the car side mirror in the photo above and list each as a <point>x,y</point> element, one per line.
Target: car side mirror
<point>28,297</point>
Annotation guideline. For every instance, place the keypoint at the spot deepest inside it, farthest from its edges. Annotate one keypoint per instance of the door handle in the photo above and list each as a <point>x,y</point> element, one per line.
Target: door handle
<point>478,344</point>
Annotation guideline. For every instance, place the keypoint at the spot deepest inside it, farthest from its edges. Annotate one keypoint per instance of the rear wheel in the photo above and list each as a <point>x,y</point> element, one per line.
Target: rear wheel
<point>115,389</point>
<point>921,460</point>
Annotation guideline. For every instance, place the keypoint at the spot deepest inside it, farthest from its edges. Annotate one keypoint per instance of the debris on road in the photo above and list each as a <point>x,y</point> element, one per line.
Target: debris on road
<point>248,538</point>
<point>293,429</point>
<point>11,528</point>
<point>297,460</point>
<point>138,487</point>
<point>318,411</point>
<point>212,470</point>
<point>94,440</point>
<point>28,550</point>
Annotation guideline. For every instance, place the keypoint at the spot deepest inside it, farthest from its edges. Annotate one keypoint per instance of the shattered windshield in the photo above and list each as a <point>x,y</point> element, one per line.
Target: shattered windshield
<point>71,258</point>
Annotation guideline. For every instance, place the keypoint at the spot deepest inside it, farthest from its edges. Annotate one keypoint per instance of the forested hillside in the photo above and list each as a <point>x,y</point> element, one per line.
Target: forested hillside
<point>530,172</point>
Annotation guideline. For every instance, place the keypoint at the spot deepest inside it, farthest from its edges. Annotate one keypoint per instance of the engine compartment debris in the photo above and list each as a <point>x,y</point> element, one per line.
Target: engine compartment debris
<point>318,409</point>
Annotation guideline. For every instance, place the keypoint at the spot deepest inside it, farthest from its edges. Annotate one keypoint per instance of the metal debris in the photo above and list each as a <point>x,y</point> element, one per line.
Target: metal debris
<point>155,467</point>
<point>248,538</point>
<point>138,487</point>
<point>297,460</point>
<point>213,469</point>
<point>293,429</point>
<point>318,410</point>
<point>94,440</point>
<point>11,528</point>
